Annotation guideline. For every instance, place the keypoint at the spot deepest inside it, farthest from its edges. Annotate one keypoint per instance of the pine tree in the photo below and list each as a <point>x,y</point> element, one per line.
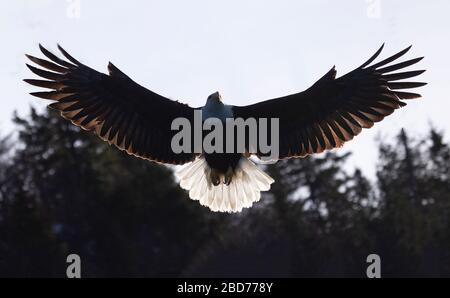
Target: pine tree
<point>123,216</point>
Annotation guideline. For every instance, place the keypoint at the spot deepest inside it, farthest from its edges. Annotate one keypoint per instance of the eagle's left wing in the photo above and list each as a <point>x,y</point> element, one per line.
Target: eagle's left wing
<point>119,110</point>
<point>333,111</point>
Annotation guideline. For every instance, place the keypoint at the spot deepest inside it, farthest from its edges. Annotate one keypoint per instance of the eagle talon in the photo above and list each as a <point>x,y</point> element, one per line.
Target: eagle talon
<point>215,178</point>
<point>228,176</point>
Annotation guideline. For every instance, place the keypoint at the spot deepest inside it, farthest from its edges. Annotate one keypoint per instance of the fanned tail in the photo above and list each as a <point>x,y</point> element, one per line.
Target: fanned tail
<point>245,188</point>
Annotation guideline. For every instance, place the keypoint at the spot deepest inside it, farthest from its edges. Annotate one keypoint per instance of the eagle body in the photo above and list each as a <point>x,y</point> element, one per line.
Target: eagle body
<point>223,181</point>
<point>222,164</point>
<point>125,114</point>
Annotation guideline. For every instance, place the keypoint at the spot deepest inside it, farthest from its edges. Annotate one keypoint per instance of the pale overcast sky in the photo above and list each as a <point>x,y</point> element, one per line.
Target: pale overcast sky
<point>247,50</point>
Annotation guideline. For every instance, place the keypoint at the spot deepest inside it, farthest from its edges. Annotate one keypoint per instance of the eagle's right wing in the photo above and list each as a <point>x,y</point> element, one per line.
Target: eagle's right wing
<point>119,110</point>
<point>334,110</point>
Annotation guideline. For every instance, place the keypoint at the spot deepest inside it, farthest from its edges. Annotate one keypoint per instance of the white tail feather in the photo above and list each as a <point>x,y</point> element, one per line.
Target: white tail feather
<point>245,187</point>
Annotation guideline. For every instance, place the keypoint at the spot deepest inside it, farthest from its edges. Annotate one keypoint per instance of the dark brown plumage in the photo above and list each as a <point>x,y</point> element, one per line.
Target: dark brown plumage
<point>121,112</point>
<point>333,111</point>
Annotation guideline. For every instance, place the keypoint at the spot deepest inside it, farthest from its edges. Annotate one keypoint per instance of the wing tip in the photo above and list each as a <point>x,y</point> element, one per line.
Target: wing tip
<point>40,94</point>
<point>32,58</point>
<point>408,48</point>
<point>42,48</point>
<point>60,48</point>
<point>30,67</point>
<point>373,57</point>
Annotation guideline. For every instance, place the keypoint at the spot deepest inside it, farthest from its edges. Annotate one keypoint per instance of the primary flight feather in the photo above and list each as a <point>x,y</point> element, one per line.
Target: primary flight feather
<point>138,121</point>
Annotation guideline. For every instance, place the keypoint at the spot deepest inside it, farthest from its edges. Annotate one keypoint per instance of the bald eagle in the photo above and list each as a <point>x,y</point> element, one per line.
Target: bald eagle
<point>138,121</point>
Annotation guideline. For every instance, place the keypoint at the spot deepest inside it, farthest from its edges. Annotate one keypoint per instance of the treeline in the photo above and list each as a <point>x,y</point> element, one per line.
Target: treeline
<point>63,191</point>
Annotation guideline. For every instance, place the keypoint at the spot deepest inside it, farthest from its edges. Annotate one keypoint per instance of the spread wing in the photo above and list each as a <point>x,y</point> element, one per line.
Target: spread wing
<point>119,110</point>
<point>333,111</point>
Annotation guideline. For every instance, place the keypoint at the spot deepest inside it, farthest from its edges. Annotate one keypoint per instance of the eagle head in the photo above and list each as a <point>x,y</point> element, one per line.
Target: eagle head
<point>215,97</point>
